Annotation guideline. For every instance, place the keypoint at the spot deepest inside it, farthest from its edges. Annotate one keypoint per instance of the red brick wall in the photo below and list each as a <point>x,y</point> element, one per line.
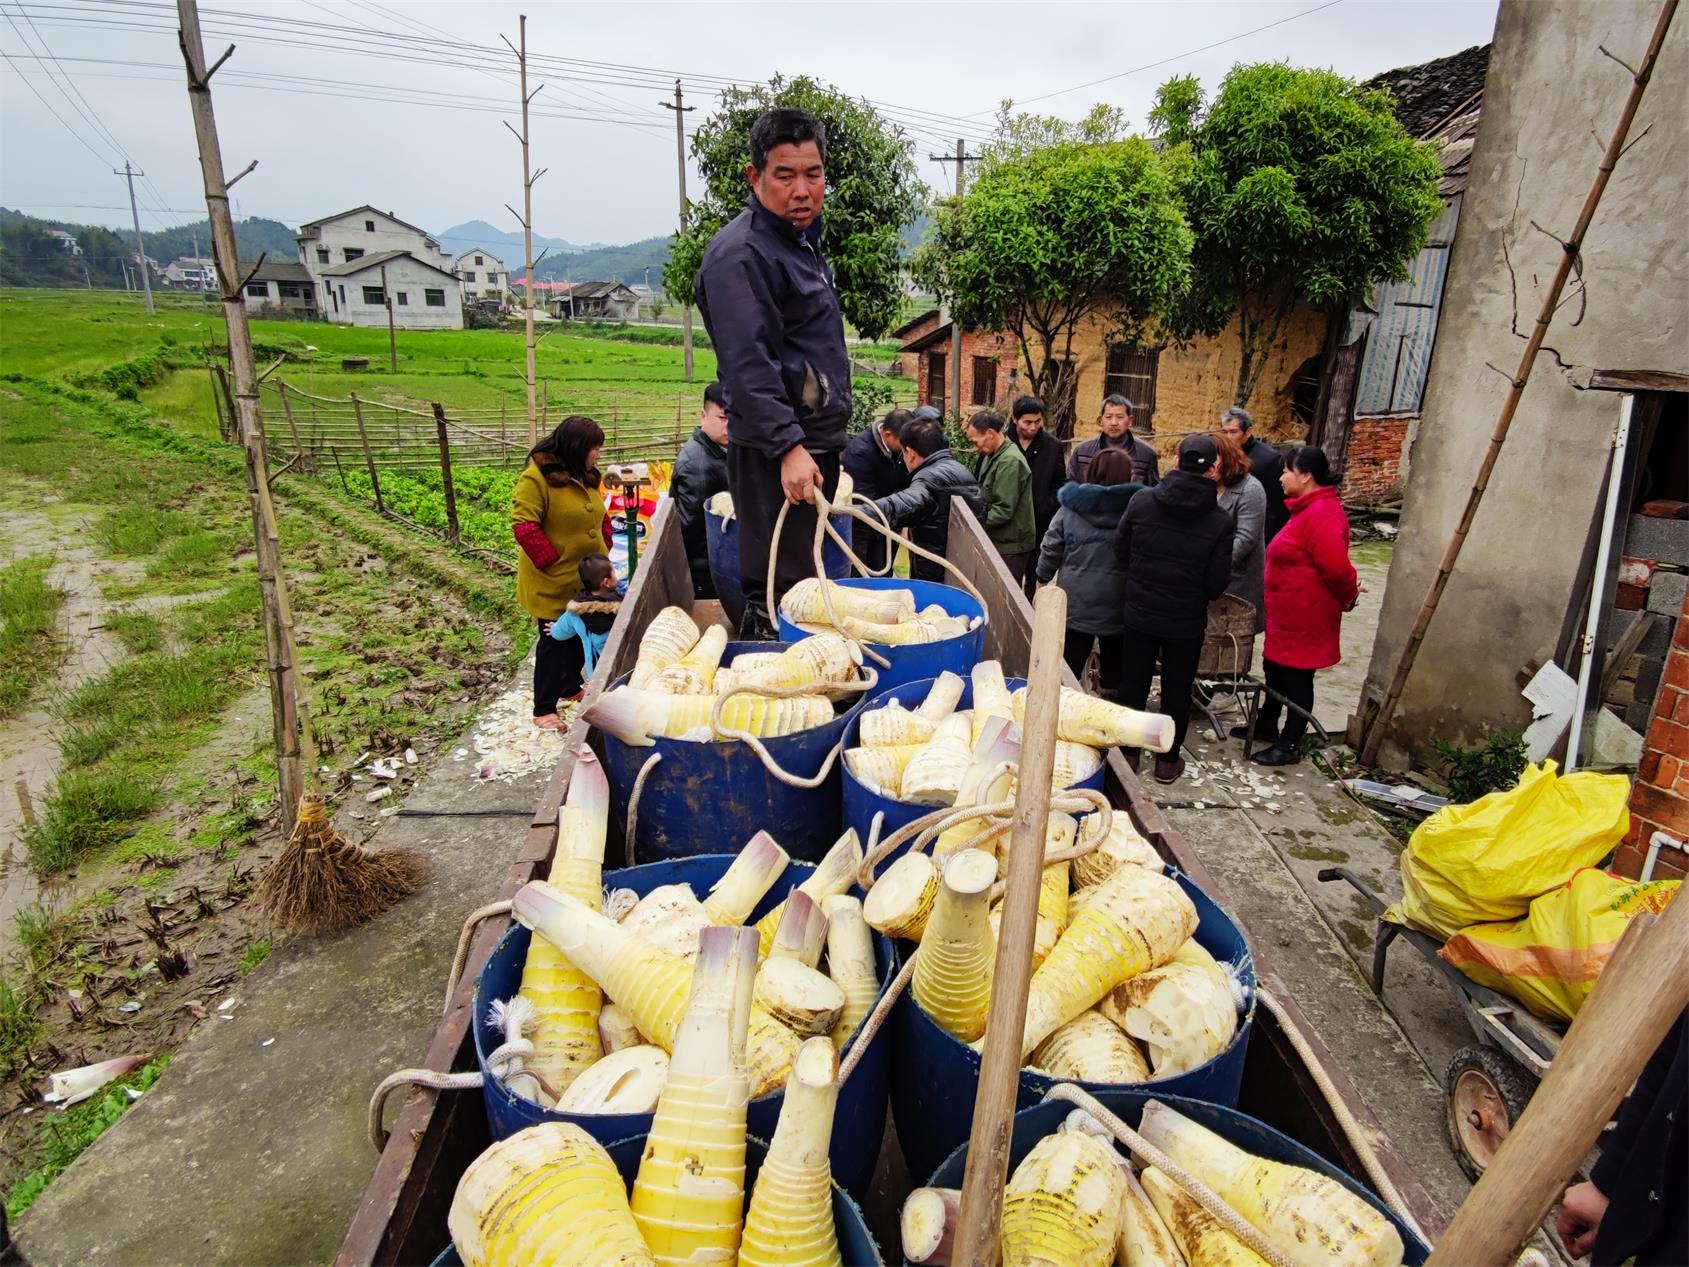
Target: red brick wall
<point>996,346</point>
<point>1659,800</point>
<point>1372,471</point>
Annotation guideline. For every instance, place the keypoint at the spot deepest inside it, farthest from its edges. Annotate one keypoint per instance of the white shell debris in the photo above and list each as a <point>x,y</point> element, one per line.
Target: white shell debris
<point>410,756</point>
<point>508,743</point>
<point>378,794</point>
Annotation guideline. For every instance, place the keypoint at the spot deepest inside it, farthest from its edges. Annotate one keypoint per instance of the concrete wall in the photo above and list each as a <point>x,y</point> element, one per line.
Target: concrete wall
<point>490,267</point>
<point>1548,88</point>
<point>406,278</point>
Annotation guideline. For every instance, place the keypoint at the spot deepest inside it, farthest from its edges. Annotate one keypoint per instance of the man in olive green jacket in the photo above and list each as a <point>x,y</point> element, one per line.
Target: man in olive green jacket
<point>1007,482</point>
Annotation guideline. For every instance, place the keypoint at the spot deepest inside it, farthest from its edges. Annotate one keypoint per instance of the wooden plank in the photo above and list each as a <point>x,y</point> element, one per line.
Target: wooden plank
<point>1639,381</point>
<point>1008,632</point>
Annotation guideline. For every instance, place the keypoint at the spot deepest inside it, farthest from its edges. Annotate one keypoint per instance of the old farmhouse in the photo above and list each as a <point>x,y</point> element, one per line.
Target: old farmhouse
<point>359,259</point>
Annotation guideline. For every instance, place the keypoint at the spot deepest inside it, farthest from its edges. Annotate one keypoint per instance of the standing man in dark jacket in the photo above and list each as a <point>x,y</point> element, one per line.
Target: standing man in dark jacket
<point>924,507</point>
<point>874,461</point>
<point>700,472</point>
<point>1114,425</point>
<point>772,312</point>
<point>1634,1201</point>
<point>1266,464</point>
<point>1043,454</point>
<point>1176,546</point>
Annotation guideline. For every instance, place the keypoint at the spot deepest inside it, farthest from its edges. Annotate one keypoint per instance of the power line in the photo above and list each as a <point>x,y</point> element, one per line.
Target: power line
<point>27,83</point>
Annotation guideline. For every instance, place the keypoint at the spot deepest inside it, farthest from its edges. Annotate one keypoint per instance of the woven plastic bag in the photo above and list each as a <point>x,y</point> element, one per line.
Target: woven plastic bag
<point>1550,960</point>
<point>1483,862</point>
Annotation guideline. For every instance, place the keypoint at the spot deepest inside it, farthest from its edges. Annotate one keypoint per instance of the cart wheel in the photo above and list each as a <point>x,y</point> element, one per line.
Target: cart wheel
<point>1484,1094</point>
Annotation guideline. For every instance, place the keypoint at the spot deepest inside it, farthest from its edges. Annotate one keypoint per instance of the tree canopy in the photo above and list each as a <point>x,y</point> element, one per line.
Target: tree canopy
<point>1059,226</point>
<point>872,194</point>
<point>1299,186</point>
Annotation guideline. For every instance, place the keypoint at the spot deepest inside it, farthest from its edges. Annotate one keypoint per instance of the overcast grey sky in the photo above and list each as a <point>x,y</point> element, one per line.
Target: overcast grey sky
<point>421,89</point>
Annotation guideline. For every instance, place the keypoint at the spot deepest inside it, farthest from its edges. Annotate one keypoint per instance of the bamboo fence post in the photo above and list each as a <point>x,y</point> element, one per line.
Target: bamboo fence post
<point>452,534</point>
<point>1639,995</point>
<point>1569,257</point>
<point>369,458</point>
<point>334,452</point>
<point>980,1228</point>
<point>223,428</point>
<point>293,426</point>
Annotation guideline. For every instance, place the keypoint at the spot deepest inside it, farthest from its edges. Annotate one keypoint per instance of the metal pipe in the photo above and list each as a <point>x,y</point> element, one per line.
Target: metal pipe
<point>1598,588</point>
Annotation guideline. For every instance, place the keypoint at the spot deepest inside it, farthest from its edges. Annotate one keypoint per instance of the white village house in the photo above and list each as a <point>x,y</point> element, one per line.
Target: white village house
<point>351,256</point>
<point>189,272</point>
<point>483,275</point>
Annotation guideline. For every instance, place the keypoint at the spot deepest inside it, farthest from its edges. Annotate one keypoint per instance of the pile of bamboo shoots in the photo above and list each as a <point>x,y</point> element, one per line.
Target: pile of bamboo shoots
<point>920,755</point>
<point>551,1194</point>
<point>1075,1200</point>
<point>679,679</point>
<point>608,975</point>
<point>886,617</point>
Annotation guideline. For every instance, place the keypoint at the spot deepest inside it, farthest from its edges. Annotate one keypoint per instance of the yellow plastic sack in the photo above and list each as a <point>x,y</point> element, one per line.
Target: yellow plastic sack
<point>1483,862</point>
<point>1550,959</point>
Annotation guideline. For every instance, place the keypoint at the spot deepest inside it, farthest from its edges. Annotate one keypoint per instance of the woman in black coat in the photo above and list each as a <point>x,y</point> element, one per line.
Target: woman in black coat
<point>1176,546</point>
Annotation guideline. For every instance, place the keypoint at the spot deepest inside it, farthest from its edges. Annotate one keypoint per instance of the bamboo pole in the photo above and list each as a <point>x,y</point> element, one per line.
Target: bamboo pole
<point>286,697</point>
<point>1639,995</point>
<point>452,534</point>
<point>293,426</point>
<point>1569,257</point>
<point>977,1238</point>
<point>369,458</point>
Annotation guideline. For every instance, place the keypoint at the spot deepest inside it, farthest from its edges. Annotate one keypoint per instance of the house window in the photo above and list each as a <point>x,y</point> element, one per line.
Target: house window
<point>985,380</point>
<point>369,226</point>
<point>479,260</point>
<point>492,279</point>
<point>434,298</point>
<point>1131,373</point>
<point>342,297</point>
<point>258,290</point>
<point>935,380</point>
<point>401,297</point>
<point>322,255</point>
<point>290,290</point>
<point>353,253</point>
<point>469,277</point>
<point>373,295</point>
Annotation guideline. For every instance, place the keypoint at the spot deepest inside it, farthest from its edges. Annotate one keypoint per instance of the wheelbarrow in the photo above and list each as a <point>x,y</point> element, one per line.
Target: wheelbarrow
<point>1488,1083</point>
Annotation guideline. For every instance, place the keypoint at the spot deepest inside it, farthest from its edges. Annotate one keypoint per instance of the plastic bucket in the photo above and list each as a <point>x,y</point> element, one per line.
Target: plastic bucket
<point>860,1119</point>
<point>1032,1124</point>
<point>712,797</point>
<point>862,802</point>
<point>919,660</point>
<point>856,1246</point>
<point>722,537</point>
<point>933,1099</point>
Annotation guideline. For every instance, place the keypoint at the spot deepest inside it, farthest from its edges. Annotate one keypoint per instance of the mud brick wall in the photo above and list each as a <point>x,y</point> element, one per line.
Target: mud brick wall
<point>1375,470</point>
<point>1659,799</point>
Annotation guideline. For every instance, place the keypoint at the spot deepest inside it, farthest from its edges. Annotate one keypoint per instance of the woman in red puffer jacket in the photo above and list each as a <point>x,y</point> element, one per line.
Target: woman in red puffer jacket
<point>1310,583</point>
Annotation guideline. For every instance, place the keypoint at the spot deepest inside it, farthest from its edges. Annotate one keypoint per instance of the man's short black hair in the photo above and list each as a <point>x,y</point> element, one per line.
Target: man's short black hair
<point>894,422</point>
<point>713,395</point>
<point>785,127</point>
<point>923,437</point>
<point>1026,405</point>
<point>1245,419</point>
<point>985,420</point>
<point>1115,398</point>
<point>595,568</point>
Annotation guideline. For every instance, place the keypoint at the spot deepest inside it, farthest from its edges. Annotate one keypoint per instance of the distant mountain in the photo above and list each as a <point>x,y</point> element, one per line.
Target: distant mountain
<point>627,264</point>
<point>253,237</point>
<point>507,243</point>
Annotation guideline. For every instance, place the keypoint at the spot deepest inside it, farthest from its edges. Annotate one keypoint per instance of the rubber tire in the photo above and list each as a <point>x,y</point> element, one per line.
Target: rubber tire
<point>1512,1083</point>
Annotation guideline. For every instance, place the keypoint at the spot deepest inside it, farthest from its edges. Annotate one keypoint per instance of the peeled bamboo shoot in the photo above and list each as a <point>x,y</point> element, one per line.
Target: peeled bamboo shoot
<point>801,998</point>
<point>1121,847</point>
<point>749,877</point>
<point>802,934</point>
<point>1314,1221</point>
<point>1061,1207</point>
<point>901,901</point>
<point>953,968</point>
<point>669,636</point>
<point>1102,724</point>
<point>669,917</point>
<point>835,873</point>
<point>894,727</point>
<point>1090,1048</point>
<point>803,603</point>
<point>695,672</point>
<point>880,769</point>
<point>934,774</point>
<point>819,660</point>
<point>1183,1011</point>
<point>850,963</point>
<point>1144,1238</point>
<point>616,1030</point>
<point>639,718</point>
<point>627,1081</point>
<point>790,1219</point>
<point>928,1225</point>
<point>1201,1238</point>
<point>991,697</point>
<point>909,633</point>
<point>942,698</point>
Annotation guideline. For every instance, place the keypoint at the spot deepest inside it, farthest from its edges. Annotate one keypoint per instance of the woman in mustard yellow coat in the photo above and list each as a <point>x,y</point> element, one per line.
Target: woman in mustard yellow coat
<point>557,514</point>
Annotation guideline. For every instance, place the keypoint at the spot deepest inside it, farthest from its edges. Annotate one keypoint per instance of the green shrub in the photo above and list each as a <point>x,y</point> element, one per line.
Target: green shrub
<point>1491,766</point>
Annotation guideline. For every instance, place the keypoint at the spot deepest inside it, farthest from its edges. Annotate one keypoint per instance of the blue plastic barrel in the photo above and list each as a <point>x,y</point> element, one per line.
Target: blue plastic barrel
<point>919,660</point>
<point>722,536</point>
<point>712,797</point>
<point>860,1119</point>
<point>933,1099</point>
<point>1033,1123</point>
<point>856,1246</point>
<point>862,802</point>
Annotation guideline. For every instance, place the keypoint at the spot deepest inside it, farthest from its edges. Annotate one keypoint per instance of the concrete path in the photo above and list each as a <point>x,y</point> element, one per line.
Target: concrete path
<point>252,1148</point>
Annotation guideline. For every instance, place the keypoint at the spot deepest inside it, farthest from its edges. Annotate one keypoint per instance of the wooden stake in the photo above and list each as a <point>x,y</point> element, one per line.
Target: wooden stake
<point>286,702</point>
<point>977,1238</point>
<point>446,473</point>
<point>293,426</point>
<point>369,458</point>
<point>1639,996</point>
<point>1516,390</point>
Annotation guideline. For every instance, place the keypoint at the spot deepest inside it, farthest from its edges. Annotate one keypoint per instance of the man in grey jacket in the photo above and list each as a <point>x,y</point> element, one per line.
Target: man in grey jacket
<point>924,507</point>
<point>772,312</point>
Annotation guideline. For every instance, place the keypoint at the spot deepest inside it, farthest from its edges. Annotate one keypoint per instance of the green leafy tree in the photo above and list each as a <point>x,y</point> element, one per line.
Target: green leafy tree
<point>872,194</point>
<point>1056,229</point>
<point>1300,187</point>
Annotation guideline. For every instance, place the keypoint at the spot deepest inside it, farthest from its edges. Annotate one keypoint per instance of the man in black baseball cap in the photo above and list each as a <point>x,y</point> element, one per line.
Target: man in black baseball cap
<point>1176,546</point>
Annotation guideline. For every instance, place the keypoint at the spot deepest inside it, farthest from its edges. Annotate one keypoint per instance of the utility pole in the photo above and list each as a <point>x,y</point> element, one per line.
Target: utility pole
<point>392,342</point>
<point>961,158</point>
<point>140,246</point>
<point>529,176</point>
<point>681,110</point>
<point>286,697</point>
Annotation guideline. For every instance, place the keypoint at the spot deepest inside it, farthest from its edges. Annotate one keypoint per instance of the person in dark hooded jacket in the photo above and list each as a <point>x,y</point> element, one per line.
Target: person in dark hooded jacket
<point>1176,546</point>
<point>874,461</point>
<point>1079,545</point>
<point>700,472</point>
<point>924,507</point>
